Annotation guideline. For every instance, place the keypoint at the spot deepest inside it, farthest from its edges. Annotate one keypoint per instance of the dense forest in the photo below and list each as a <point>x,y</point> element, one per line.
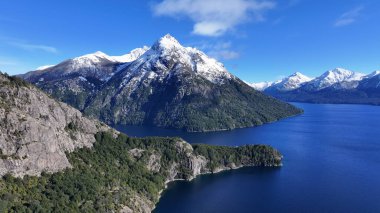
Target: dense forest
<point>194,105</point>
<point>109,176</point>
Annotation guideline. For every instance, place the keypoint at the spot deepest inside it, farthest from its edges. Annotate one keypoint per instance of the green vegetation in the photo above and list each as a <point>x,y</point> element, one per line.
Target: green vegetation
<point>14,81</point>
<point>257,155</point>
<point>107,176</point>
<point>194,105</point>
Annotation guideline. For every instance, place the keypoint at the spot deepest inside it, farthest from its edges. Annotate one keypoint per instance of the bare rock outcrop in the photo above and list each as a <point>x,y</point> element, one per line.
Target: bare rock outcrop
<point>36,130</point>
<point>154,162</point>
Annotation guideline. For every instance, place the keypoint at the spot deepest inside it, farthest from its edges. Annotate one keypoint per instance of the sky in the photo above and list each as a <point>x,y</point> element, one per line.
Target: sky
<point>257,40</point>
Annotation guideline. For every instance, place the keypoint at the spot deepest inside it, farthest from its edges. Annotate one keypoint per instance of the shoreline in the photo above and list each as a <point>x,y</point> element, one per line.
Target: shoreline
<point>201,174</point>
<point>208,131</point>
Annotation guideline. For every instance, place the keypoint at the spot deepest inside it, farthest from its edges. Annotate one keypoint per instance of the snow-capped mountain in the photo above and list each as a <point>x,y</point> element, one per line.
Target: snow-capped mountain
<point>181,87</point>
<point>166,85</point>
<point>261,86</point>
<point>168,58</point>
<point>291,82</point>
<point>82,76</point>
<point>334,86</point>
<point>332,77</point>
<point>96,65</point>
<point>167,51</point>
<point>133,55</point>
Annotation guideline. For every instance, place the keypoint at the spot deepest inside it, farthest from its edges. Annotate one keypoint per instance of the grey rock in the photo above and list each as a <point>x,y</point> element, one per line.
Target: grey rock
<point>35,133</point>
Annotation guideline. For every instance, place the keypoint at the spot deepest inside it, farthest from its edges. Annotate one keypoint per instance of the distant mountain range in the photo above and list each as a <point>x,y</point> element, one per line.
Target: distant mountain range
<point>165,85</point>
<point>334,86</point>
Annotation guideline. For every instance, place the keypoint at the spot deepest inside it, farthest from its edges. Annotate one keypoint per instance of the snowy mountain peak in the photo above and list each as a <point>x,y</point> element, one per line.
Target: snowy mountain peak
<point>292,82</point>
<point>91,58</point>
<point>297,76</point>
<point>99,53</point>
<point>168,39</point>
<point>261,86</point>
<point>334,76</point>
<point>167,43</point>
<point>129,57</point>
<point>168,57</point>
<point>340,74</point>
<point>97,57</point>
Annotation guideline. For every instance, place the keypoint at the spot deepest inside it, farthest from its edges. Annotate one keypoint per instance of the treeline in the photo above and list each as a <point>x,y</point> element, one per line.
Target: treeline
<point>13,80</point>
<point>253,155</point>
<point>194,105</point>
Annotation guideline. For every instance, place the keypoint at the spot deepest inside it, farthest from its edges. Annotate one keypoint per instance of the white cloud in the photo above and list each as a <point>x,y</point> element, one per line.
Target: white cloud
<point>32,47</point>
<point>214,17</point>
<point>348,17</point>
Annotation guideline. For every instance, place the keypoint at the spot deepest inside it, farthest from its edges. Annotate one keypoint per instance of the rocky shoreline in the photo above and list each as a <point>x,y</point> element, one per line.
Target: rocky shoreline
<point>198,165</point>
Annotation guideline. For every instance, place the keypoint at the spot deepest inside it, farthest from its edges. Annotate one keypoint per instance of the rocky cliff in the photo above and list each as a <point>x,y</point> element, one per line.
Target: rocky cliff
<point>174,159</point>
<point>36,131</point>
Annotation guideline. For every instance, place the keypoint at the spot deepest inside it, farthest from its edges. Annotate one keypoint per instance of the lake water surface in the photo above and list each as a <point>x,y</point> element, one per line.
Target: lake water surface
<point>331,164</point>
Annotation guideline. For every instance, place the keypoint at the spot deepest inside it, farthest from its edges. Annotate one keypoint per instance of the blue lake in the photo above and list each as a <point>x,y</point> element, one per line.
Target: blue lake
<point>331,164</point>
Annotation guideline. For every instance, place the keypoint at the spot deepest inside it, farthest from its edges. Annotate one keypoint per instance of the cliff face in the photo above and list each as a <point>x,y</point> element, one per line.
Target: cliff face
<point>36,131</point>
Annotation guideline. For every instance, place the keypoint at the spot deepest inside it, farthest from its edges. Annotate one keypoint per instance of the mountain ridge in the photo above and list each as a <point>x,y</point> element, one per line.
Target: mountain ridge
<point>170,86</point>
<point>333,86</point>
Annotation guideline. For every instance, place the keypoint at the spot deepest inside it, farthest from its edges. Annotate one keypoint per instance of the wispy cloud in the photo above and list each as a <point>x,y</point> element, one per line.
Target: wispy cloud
<point>34,47</point>
<point>25,45</point>
<point>349,17</point>
<point>220,50</point>
<point>214,17</point>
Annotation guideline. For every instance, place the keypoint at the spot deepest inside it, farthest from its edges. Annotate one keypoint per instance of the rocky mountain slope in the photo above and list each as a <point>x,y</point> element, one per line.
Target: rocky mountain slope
<point>169,86</point>
<point>71,163</point>
<point>334,86</point>
<point>75,80</point>
<point>36,131</point>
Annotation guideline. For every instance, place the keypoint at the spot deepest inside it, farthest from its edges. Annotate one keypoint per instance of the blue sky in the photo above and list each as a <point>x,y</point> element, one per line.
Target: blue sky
<point>257,40</point>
